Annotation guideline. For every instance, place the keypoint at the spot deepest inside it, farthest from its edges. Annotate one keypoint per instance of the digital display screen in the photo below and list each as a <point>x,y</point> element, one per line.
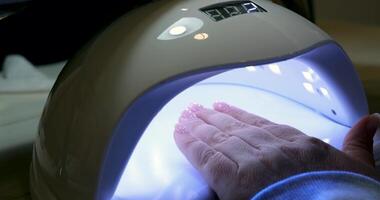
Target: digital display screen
<point>225,10</point>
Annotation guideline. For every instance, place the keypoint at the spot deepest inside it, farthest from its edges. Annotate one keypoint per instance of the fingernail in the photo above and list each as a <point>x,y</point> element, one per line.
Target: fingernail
<point>194,107</point>
<point>187,115</point>
<point>221,106</point>
<point>373,122</point>
<point>180,129</point>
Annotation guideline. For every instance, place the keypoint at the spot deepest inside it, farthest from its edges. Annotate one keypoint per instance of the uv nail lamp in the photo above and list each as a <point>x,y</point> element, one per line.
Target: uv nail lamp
<point>107,128</point>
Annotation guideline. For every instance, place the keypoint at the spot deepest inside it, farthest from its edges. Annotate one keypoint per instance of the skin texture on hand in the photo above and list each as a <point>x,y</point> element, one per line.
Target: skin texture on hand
<point>239,153</point>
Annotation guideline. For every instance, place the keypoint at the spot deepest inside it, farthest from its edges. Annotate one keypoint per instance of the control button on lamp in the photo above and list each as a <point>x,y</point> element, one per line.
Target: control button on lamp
<point>201,36</point>
<point>177,30</point>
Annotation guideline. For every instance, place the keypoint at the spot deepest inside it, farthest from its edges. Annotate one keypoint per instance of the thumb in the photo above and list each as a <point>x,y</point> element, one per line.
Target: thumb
<point>358,143</point>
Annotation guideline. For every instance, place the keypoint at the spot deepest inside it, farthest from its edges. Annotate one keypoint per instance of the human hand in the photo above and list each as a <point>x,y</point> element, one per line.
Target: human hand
<point>239,153</point>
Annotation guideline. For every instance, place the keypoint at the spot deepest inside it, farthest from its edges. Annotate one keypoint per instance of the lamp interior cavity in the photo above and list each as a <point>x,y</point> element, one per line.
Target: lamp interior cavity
<point>158,170</point>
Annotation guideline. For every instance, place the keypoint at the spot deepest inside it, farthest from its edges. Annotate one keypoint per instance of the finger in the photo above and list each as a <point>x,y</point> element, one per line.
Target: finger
<point>212,164</point>
<point>230,146</point>
<point>255,136</point>
<point>242,115</point>
<point>201,130</point>
<point>220,120</point>
<point>281,131</point>
<point>196,151</point>
<point>359,141</point>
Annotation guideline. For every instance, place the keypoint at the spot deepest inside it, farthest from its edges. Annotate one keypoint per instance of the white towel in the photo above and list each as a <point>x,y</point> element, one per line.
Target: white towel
<point>19,75</point>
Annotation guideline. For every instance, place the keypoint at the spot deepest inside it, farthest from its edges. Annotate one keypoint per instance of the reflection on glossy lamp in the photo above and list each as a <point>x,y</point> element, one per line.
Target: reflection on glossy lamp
<point>106,131</point>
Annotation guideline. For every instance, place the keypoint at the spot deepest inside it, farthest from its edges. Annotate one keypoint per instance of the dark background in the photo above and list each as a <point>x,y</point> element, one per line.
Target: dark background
<point>46,31</point>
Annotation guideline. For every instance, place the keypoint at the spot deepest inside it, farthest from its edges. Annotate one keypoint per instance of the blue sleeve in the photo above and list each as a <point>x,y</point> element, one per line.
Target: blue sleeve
<point>323,185</point>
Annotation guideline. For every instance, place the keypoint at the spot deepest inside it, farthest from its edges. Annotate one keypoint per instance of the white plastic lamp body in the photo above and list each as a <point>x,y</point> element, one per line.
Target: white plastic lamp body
<point>106,131</point>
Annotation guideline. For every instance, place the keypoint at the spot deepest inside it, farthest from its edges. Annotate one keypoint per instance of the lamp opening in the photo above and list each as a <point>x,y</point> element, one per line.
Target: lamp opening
<point>295,92</point>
